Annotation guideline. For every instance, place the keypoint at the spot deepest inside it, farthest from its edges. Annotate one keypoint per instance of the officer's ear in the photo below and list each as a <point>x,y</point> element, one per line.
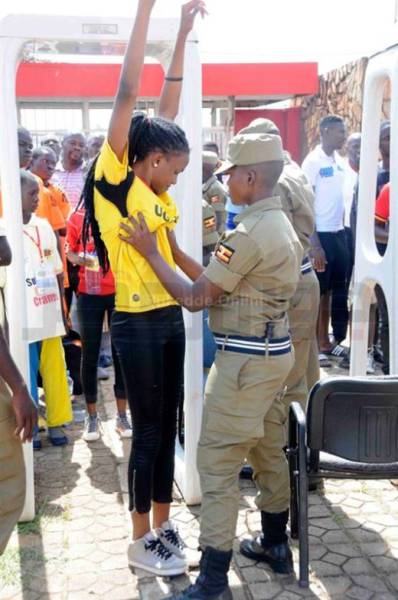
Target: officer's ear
<point>251,177</point>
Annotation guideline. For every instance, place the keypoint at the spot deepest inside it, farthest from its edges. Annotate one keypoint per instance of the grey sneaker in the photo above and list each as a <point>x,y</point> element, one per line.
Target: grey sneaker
<point>123,426</point>
<point>171,539</point>
<point>149,554</point>
<point>92,428</point>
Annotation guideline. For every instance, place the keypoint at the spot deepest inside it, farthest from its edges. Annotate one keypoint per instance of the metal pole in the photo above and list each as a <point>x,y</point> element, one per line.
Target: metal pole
<point>189,193</point>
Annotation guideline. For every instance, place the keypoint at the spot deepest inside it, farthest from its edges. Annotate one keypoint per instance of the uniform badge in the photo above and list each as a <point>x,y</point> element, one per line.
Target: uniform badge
<point>209,222</point>
<point>224,253</point>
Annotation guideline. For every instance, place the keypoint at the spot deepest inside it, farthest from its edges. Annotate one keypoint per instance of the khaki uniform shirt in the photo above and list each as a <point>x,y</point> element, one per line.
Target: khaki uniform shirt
<point>297,200</point>
<point>209,226</point>
<point>258,266</point>
<point>215,194</point>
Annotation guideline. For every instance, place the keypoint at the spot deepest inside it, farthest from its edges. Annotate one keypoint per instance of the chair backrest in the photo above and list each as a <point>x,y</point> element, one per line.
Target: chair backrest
<point>355,418</point>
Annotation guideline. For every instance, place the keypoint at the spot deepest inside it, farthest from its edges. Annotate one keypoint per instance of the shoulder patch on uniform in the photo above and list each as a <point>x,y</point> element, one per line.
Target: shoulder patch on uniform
<point>224,253</point>
<point>209,222</point>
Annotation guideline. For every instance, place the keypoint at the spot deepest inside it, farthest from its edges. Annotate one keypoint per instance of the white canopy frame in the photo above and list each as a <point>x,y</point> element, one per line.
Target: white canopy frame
<point>370,267</point>
<point>94,35</point>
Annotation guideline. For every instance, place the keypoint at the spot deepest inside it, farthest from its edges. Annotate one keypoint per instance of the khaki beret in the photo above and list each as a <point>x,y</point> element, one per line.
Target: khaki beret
<point>261,126</point>
<point>252,149</point>
<point>210,158</point>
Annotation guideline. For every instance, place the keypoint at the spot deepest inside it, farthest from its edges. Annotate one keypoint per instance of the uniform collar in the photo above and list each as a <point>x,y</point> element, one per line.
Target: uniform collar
<point>269,203</point>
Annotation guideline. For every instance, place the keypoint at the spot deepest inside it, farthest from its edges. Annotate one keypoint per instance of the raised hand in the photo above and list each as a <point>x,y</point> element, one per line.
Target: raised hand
<point>189,12</point>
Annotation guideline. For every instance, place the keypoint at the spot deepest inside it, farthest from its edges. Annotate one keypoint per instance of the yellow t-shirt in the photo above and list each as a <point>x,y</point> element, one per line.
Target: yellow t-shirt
<point>137,287</point>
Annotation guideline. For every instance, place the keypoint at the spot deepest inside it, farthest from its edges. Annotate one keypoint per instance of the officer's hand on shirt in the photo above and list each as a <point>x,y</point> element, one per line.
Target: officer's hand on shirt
<point>318,258</point>
<point>139,236</point>
<point>189,12</point>
<point>25,413</point>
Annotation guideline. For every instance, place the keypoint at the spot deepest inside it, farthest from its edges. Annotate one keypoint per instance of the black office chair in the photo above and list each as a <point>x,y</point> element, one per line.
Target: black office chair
<point>350,432</point>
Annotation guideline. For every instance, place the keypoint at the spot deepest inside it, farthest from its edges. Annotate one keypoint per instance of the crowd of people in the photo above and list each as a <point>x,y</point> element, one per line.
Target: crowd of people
<point>278,259</point>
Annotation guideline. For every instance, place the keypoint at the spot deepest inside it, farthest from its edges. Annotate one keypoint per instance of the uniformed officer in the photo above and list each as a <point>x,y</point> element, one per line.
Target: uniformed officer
<point>209,231</point>
<point>248,286</point>
<point>297,201</point>
<point>213,191</point>
<point>17,419</point>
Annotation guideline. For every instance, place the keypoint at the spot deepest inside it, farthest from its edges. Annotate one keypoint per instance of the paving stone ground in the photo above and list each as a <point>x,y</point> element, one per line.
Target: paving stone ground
<point>76,547</point>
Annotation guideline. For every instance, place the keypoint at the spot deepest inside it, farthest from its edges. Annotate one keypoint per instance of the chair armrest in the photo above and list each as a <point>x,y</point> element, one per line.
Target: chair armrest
<point>297,413</point>
<point>297,425</point>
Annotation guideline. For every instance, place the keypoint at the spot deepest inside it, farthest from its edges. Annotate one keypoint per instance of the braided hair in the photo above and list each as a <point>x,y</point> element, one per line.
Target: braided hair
<point>146,135</point>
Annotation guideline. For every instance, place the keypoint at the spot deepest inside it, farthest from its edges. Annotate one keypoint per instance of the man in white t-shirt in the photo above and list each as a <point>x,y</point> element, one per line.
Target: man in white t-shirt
<point>325,170</point>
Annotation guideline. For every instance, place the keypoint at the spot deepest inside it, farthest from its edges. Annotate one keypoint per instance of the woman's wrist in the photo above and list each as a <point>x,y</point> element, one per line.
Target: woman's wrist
<point>182,34</point>
<point>177,253</point>
<point>18,386</point>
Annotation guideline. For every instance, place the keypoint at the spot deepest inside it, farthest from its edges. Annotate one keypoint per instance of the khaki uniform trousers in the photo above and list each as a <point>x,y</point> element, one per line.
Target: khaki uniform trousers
<point>12,470</point>
<point>303,315</point>
<point>313,371</point>
<point>243,417</point>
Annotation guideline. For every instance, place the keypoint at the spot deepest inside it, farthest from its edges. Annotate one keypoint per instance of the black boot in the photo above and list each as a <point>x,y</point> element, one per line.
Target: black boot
<point>212,582</point>
<point>271,546</point>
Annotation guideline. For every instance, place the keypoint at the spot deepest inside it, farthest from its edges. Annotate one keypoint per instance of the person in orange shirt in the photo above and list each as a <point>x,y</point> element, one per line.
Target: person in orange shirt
<point>44,161</point>
<point>47,208</point>
<point>53,204</point>
<point>42,165</point>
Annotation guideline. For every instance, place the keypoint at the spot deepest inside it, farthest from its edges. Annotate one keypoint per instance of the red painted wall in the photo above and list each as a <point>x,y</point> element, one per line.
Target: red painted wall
<point>66,80</point>
<point>287,120</point>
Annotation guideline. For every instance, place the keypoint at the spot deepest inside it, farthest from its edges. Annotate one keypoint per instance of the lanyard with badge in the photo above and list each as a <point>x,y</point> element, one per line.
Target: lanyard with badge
<point>45,279</point>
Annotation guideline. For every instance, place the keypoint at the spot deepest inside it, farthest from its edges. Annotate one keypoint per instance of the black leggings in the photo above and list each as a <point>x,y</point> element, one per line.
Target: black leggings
<point>151,349</point>
<point>73,277</point>
<point>334,279</point>
<point>91,311</point>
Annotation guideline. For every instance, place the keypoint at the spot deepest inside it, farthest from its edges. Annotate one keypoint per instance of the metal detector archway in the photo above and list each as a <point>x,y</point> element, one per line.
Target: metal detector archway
<point>22,35</point>
<point>371,268</point>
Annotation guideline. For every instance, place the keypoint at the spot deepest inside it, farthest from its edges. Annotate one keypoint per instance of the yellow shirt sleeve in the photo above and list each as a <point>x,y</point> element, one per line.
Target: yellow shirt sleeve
<point>110,167</point>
